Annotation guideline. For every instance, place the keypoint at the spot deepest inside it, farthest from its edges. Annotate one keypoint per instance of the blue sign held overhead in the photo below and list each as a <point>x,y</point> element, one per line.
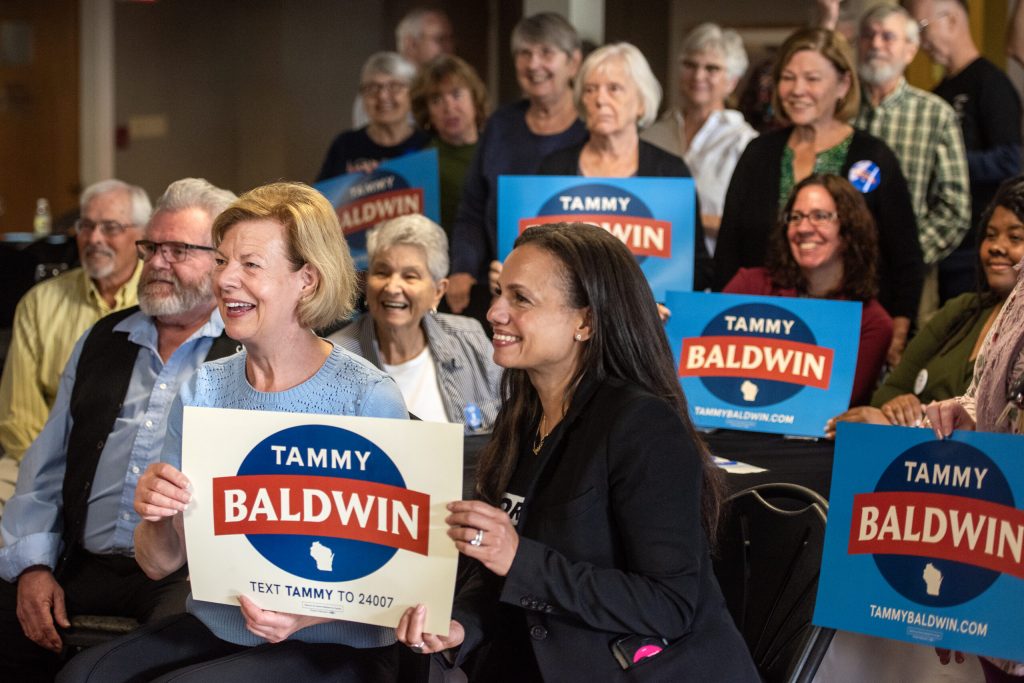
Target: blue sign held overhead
<point>397,187</point>
<point>654,217</point>
<point>764,363</point>
<point>925,539</point>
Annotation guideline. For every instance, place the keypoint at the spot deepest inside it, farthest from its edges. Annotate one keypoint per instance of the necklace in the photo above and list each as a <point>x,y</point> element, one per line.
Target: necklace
<point>538,441</point>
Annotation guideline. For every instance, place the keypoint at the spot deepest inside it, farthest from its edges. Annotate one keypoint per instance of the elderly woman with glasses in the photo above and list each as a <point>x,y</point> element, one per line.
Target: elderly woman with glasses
<point>442,363</point>
<point>282,271</point>
<point>708,136</point>
<point>825,247</point>
<point>384,86</point>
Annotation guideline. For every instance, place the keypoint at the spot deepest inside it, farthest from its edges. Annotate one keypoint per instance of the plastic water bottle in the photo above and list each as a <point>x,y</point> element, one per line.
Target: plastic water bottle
<point>474,420</point>
<point>41,222</point>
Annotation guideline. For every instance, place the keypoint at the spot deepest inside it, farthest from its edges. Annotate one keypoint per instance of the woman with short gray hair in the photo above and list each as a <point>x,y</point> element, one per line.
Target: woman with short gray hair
<point>708,136</point>
<point>617,95</point>
<point>442,363</point>
<point>384,86</point>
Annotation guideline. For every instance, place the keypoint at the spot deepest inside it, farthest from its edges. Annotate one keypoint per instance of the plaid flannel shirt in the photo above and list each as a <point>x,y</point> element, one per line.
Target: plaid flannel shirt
<point>922,130</point>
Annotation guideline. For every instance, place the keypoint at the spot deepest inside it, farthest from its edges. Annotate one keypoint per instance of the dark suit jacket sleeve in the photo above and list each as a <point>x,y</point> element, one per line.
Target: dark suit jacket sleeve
<point>651,499</point>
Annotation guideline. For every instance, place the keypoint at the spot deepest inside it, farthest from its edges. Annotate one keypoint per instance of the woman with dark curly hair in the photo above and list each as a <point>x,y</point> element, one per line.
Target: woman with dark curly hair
<point>826,247</point>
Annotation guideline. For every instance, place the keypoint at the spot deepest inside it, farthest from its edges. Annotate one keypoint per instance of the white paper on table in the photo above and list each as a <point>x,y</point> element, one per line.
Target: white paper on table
<point>428,456</point>
<point>736,467</point>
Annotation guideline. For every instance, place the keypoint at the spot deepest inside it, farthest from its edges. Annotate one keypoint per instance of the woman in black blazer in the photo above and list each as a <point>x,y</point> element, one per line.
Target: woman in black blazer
<point>816,90</point>
<point>592,537</point>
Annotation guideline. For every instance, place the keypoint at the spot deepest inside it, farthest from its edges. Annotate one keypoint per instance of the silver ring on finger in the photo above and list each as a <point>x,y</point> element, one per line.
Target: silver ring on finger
<point>418,647</point>
<point>478,540</point>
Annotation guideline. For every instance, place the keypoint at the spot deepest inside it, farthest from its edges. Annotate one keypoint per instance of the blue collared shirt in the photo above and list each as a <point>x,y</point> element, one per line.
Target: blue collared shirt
<point>32,520</point>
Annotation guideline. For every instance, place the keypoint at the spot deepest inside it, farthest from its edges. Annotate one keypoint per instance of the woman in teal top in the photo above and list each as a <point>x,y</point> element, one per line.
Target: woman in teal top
<point>283,270</point>
<point>939,361</point>
<point>450,101</point>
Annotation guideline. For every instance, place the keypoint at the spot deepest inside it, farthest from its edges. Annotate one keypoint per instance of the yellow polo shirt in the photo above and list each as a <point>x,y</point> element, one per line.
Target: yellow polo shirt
<point>48,321</point>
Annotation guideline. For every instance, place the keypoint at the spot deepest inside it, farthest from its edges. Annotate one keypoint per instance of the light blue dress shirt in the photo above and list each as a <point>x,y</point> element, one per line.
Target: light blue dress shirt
<point>32,520</point>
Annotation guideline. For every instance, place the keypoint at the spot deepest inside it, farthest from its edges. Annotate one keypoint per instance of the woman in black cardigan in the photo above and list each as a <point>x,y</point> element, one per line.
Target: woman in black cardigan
<point>617,95</point>
<point>591,544</point>
<point>817,91</point>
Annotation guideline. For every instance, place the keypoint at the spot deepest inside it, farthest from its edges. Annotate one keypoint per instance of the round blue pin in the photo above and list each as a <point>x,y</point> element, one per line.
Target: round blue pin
<point>864,175</point>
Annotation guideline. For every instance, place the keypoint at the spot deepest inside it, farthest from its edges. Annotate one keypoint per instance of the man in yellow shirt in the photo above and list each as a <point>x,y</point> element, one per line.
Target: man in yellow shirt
<point>52,316</point>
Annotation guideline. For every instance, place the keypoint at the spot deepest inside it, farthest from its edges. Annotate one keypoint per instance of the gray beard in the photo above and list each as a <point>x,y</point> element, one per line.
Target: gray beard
<point>184,298</point>
<point>878,75</point>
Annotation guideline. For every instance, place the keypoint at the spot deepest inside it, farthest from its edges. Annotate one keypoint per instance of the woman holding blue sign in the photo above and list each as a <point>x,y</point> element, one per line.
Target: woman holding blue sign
<point>546,52</point>
<point>282,270</point>
<point>617,95</point>
<point>599,499</point>
<point>825,247</point>
<point>816,92</point>
<point>384,85</point>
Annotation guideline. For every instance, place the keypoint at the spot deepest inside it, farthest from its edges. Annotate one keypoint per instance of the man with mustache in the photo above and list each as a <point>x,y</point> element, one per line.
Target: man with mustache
<point>68,530</point>
<point>55,313</point>
<point>923,131</point>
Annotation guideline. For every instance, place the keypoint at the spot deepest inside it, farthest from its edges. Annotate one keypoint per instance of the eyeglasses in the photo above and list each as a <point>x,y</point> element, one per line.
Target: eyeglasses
<point>375,89</point>
<point>888,37</point>
<point>925,23</point>
<point>711,69</point>
<point>816,217</point>
<point>107,228</point>
<point>173,252</point>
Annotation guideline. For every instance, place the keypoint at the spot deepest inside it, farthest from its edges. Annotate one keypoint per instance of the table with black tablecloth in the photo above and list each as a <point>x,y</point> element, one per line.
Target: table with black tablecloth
<point>791,460</point>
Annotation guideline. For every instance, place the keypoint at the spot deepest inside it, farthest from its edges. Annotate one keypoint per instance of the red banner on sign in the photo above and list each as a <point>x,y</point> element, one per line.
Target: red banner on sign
<point>757,358</point>
<point>644,236</point>
<point>321,506</point>
<point>941,526</point>
<point>366,212</point>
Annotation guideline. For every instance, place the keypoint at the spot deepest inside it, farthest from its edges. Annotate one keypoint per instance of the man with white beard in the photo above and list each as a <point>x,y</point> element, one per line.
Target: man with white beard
<point>52,315</point>
<point>923,131</point>
<point>68,530</point>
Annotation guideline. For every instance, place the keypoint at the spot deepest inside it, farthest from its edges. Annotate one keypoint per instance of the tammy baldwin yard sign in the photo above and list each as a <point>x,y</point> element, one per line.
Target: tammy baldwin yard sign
<point>925,539</point>
<point>764,363</point>
<point>652,216</point>
<point>397,187</point>
<point>328,516</point>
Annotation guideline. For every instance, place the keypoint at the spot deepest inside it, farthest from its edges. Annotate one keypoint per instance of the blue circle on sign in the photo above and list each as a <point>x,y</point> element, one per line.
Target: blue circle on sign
<point>930,581</point>
<point>865,175</point>
<point>294,553</point>
<point>601,200</point>
<point>741,391</point>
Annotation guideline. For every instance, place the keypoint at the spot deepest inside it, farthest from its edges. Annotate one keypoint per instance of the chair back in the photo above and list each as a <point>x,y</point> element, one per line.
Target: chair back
<point>768,563</point>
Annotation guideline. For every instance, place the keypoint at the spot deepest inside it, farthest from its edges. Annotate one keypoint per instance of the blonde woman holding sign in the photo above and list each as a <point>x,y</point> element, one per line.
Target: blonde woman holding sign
<point>283,269</point>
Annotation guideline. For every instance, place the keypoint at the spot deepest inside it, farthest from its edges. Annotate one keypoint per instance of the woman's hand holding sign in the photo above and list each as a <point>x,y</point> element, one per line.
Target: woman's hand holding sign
<point>273,626</point>
<point>410,632</point>
<point>945,416</point>
<point>483,532</point>
<point>162,492</point>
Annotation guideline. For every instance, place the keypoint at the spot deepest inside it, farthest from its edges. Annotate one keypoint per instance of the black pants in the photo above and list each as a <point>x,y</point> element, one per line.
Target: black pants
<point>183,650</point>
<point>108,585</point>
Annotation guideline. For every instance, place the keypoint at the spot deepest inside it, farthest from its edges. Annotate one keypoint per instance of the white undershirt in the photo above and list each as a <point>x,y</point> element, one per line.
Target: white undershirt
<point>417,380</point>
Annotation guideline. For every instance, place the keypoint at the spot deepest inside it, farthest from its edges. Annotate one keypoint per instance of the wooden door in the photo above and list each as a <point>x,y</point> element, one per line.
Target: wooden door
<point>38,109</point>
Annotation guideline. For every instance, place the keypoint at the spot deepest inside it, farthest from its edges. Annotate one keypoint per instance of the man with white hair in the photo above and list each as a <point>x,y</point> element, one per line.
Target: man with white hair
<point>52,315</point>
<point>922,130</point>
<point>989,112</point>
<point>68,531</point>
<point>420,36</point>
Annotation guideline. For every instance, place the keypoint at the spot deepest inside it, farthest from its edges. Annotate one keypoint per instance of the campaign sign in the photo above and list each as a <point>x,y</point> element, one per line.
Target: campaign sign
<point>329,516</point>
<point>652,216</point>
<point>925,539</point>
<point>397,187</point>
<point>764,363</point>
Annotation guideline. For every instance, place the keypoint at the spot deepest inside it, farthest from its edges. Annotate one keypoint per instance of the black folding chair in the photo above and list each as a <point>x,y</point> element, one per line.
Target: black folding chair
<point>768,563</point>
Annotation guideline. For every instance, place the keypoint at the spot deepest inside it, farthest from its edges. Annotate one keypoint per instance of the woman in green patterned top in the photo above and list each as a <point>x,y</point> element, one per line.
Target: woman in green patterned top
<point>816,93</point>
<point>939,361</point>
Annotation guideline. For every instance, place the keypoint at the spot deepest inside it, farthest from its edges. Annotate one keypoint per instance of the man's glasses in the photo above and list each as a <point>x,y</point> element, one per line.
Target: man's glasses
<point>816,217</point>
<point>173,252</point>
<point>106,228</point>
